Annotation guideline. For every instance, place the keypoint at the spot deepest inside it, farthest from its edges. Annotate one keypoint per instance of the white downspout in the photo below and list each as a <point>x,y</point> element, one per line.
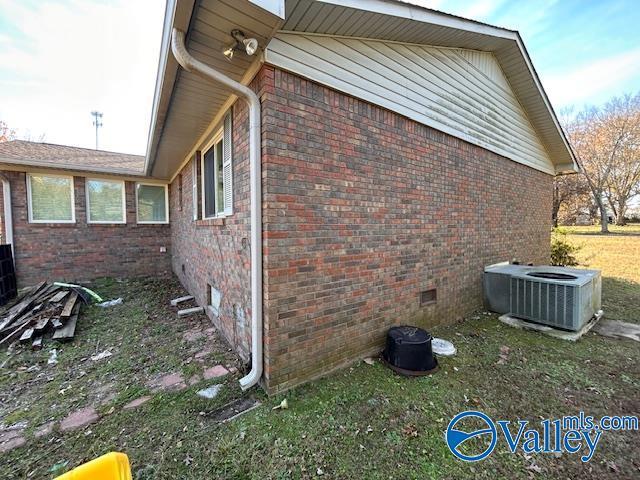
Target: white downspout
<point>8,216</point>
<point>192,65</point>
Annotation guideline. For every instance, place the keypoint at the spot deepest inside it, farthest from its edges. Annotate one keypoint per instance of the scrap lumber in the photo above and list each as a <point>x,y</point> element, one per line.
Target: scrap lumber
<point>176,301</point>
<point>41,325</point>
<point>26,335</point>
<point>67,332</point>
<point>43,308</point>
<point>17,331</point>
<point>190,311</point>
<point>58,297</point>
<point>21,308</point>
<point>67,311</point>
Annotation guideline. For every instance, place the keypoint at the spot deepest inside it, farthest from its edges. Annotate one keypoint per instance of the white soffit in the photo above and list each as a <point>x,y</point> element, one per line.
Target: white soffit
<point>186,104</point>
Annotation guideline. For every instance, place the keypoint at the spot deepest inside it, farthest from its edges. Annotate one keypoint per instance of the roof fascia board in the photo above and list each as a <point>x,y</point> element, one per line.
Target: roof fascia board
<point>525,54</point>
<point>177,14</point>
<point>414,12</point>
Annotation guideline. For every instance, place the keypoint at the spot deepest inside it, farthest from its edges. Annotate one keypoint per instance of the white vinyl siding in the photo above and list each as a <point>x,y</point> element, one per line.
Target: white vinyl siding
<point>152,203</point>
<point>461,92</point>
<point>105,201</point>
<point>51,199</point>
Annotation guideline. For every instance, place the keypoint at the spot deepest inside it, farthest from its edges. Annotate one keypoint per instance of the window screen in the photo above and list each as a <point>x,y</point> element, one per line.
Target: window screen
<point>152,203</point>
<point>50,198</point>
<point>209,179</point>
<point>105,201</point>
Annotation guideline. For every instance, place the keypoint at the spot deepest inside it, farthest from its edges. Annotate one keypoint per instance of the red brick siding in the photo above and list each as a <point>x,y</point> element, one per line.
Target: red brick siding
<point>82,251</point>
<point>363,210</point>
<point>217,252</point>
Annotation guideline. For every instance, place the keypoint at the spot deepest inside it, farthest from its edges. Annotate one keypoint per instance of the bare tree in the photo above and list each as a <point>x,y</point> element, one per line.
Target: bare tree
<point>624,180</point>
<point>6,133</point>
<point>571,196</point>
<point>599,137</point>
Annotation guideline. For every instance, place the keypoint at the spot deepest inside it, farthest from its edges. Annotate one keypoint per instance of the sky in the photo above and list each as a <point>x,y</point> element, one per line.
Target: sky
<point>62,59</point>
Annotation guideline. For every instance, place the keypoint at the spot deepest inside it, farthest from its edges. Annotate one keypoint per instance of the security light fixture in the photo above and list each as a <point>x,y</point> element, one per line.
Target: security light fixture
<point>249,45</point>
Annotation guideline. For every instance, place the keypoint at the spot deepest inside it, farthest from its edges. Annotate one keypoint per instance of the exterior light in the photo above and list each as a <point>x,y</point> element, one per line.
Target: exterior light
<point>249,45</point>
<point>228,51</point>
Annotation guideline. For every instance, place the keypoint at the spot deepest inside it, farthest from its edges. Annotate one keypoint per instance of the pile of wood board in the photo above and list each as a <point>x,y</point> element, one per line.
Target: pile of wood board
<point>43,310</point>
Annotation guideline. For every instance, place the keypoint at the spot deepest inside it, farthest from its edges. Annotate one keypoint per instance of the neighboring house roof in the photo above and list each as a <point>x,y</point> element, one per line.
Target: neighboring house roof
<point>21,152</point>
<point>186,107</point>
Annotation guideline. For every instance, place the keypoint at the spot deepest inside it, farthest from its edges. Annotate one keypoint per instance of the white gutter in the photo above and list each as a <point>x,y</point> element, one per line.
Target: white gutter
<point>8,216</point>
<point>192,65</point>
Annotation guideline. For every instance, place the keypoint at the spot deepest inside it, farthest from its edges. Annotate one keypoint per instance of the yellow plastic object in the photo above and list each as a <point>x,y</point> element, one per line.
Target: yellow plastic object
<point>112,466</point>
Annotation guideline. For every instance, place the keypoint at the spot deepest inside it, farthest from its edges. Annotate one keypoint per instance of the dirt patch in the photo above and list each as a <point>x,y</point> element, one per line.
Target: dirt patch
<point>233,409</point>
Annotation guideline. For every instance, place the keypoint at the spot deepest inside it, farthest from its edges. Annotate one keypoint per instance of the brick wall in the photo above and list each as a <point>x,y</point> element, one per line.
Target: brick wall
<point>217,252</point>
<point>363,210</point>
<point>82,251</point>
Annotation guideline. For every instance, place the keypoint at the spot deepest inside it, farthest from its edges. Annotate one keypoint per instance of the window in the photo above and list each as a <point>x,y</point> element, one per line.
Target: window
<point>106,201</point>
<point>179,192</point>
<point>50,199</point>
<point>217,174</point>
<point>153,203</point>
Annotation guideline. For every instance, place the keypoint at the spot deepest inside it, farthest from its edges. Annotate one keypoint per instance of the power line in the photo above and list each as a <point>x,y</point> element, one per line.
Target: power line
<point>97,123</point>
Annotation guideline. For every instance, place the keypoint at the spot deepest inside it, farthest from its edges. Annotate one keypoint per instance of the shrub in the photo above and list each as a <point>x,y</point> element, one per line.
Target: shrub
<point>562,251</point>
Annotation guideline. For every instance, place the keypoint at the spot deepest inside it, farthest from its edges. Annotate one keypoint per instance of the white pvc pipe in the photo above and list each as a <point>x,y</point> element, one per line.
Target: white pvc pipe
<point>255,180</point>
<point>8,216</point>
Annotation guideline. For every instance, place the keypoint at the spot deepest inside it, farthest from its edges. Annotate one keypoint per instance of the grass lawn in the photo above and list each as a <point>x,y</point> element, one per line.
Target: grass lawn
<point>362,422</point>
<point>618,256</point>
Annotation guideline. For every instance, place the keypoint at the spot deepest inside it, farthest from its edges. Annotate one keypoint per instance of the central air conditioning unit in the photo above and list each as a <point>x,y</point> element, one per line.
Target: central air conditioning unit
<point>560,297</point>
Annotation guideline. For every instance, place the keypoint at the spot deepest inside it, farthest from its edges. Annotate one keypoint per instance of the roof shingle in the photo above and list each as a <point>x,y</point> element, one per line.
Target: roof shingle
<point>75,158</point>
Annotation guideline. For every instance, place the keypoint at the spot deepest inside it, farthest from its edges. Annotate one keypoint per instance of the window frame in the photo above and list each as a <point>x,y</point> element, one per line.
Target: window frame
<point>217,138</point>
<point>166,204</point>
<point>30,203</point>
<point>88,207</point>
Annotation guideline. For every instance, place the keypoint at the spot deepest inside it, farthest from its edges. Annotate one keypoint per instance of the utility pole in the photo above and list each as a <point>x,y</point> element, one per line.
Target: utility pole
<point>97,123</point>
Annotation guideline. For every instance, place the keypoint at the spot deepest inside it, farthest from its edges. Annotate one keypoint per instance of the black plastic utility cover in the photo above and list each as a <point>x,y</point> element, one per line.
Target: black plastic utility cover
<point>409,348</point>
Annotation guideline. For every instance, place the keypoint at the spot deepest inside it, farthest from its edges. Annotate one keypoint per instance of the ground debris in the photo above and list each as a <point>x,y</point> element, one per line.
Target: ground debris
<point>101,355</point>
<point>44,311</point>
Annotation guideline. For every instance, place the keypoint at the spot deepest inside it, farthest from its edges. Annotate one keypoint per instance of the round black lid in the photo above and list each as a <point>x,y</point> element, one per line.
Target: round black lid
<point>408,334</point>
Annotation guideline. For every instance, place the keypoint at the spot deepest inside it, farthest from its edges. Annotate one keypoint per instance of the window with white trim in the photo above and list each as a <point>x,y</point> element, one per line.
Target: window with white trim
<point>50,199</point>
<point>152,202</point>
<point>217,174</point>
<point>105,201</point>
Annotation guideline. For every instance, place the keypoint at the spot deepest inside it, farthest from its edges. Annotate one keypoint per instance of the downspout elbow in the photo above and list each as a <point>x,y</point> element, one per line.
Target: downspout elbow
<point>195,66</point>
